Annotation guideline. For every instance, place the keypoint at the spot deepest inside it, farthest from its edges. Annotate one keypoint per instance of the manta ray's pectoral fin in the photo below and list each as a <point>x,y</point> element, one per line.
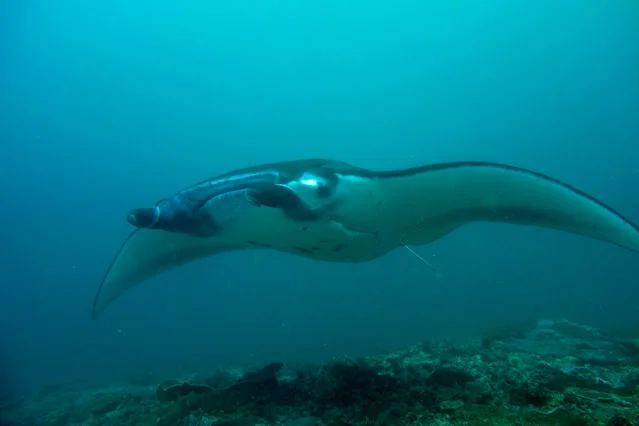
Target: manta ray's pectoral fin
<point>147,253</point>
<point>426,200</point>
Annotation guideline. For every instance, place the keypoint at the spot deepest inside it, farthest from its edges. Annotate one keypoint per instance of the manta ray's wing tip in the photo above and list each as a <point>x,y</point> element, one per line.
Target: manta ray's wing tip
<point>95,312</point>
<point>147,253</point>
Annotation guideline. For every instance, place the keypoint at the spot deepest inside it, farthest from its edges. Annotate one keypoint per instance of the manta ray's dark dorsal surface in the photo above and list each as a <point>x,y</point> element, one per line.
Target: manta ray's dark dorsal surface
<point>332,211</point>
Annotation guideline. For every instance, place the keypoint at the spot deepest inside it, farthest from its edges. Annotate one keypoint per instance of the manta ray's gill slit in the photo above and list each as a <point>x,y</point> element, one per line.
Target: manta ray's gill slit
<point>227,206</point>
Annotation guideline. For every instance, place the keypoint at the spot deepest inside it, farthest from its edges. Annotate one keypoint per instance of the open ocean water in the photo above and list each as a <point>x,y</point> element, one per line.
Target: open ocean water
<point>110,106</point>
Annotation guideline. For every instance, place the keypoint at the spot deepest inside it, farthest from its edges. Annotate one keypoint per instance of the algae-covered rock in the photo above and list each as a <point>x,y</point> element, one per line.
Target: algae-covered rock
<point>549,373</point>
<point>450,406</point>
<point>171,391</point>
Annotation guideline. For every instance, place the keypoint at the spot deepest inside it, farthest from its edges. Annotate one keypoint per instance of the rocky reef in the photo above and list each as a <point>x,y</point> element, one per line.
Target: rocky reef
<point>549,373</point>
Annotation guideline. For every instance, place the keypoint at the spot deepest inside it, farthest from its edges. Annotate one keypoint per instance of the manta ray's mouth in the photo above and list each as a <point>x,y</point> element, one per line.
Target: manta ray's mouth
<point>144,217</point>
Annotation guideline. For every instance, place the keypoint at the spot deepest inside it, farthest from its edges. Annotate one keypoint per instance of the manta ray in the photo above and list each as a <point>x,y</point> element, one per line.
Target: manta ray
<point>332,211</point>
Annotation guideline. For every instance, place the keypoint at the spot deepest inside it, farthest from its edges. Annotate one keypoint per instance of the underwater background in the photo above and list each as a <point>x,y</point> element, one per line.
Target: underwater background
<point>107,106</point>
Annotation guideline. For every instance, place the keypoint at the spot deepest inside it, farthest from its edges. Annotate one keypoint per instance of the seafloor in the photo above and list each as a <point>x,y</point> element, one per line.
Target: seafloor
<point>550,373</point>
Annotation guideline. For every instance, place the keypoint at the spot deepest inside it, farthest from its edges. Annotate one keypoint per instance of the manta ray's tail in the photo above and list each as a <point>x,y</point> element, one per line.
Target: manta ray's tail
<point>417,255</point>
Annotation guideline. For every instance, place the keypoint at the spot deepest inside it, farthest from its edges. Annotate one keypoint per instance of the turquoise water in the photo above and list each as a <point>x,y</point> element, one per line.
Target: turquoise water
<point>108,106</point>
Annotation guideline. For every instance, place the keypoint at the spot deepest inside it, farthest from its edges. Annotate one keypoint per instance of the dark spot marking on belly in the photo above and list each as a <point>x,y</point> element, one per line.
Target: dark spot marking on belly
<point>303,250</point>
<point>339,247</point>
<point>253,243</point>
<point>304,228</point>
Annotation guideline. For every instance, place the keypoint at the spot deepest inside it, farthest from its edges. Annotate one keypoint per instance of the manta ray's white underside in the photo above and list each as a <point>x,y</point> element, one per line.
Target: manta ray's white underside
<point>379,212</point>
